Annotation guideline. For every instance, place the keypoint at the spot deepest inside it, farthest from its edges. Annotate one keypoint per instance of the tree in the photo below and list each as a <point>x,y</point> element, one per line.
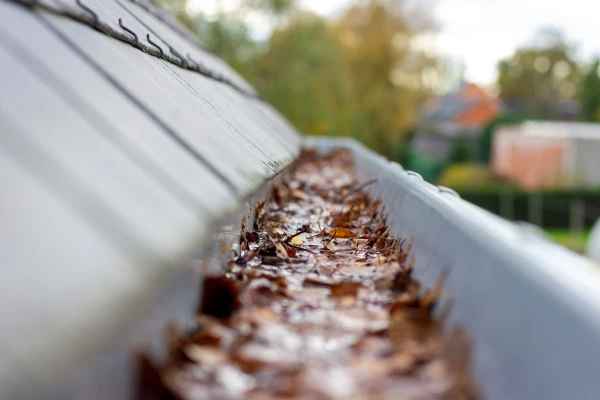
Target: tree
<point>275,7</point>
<point>386,71</point>
<point>590,94</point>
<point>538,77</point>
<point>227,33</point>
<point>304,75</point>
<point>178,9</point>
<point>360,75</point>
<point>228,37</point>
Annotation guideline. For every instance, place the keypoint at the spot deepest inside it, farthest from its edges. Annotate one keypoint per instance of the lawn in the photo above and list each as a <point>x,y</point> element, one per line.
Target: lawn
<point>564,237</point>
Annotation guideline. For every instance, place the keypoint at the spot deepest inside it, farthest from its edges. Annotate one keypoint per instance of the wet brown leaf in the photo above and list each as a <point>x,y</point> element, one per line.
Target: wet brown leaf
<point>298,195</point>
<point>345,289</point>
<point>320,303</point>
<point>220,297</point>
<point>342,233</point>
<point>204,354</point>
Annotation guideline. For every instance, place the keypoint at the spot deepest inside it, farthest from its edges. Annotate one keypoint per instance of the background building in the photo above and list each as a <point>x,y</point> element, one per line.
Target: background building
<point>458,115</point>
<point>537,155</point>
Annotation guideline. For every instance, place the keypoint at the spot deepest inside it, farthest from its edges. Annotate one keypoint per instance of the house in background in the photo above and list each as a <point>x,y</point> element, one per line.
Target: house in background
<point>564,109</point>
<point>461,114</point>
<point>547,154</point>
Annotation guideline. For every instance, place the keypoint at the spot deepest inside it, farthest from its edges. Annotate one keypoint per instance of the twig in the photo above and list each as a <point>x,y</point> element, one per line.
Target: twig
<point>340,250</point>
<point>359,188</point>
<point>333,237</point>
<point>379,237</point>
<point>303,229</point>
<point>300,248</point>
<point>315,235</point>
<point>268,260</point>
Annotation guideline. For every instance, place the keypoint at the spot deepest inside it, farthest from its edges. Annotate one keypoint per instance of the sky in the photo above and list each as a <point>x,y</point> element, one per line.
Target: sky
<point>481,32</point>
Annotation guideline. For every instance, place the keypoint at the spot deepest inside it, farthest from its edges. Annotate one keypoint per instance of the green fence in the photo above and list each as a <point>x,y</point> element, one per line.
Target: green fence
<point>548,209</point>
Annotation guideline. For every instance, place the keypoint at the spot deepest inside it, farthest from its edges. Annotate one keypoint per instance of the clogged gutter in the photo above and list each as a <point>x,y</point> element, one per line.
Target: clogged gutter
<point>318,304</point>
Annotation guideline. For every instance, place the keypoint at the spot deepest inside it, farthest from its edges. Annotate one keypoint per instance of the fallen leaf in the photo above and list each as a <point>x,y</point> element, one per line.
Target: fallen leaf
<point>281,250</point>
<point>339,319</point>
<point>342,233</point>
<point>347,301</point>
<point>402,363</point>
<point>298,194</point>
<point>345,289</point>
<point>319,280</point>
<point>204,354</point>
<point>296,240</point>
<point>220,297</point>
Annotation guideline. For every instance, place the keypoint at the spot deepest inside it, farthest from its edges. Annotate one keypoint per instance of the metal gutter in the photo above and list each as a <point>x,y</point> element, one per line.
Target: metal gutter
<point>123,172</point>
<point>532,308</point>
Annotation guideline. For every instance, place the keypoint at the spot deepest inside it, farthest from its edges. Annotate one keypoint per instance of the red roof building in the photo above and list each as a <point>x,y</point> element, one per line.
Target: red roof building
<point>462,113</point>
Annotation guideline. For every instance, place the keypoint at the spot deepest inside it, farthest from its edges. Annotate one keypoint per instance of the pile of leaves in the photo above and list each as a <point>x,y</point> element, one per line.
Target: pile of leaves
<point>318,303</point>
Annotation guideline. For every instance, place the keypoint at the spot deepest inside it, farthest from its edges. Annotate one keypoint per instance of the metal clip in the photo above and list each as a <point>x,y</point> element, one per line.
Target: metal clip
<point>89,11</point>
<point>199,66</point>
<point>176,54</point>
<point>135,38</point>
<point>155,45</point>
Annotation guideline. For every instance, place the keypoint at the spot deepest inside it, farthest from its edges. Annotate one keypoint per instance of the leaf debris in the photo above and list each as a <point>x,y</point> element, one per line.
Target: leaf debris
<point>320,303</point>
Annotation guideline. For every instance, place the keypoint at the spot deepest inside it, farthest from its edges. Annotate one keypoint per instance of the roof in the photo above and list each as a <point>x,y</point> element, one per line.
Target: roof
<point>580,130</point>
<point>552,129</point>
<point>468,108</point>
<point>125,144</point>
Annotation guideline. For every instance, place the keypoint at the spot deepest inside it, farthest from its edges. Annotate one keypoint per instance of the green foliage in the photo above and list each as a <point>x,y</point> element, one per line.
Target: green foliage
<point>305,76</point>
<point>461,152</point>
<point>538,77</point>
<point>486,138</point>
<point>229,38</point>
<point>386,73</point>
<point>470,177</point>
<point>178,9</point>
<point>357,75</point>
<point>590,94</point>
<point>276,7</point>
<point>574,241</point>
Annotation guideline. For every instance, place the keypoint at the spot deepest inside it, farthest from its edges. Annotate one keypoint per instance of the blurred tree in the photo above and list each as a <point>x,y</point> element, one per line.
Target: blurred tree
<point>178,9</point>
<point>304,74</point>
<point>461,152</point>
<point>275,7</point>
<point>361,76</point>
<point>537,78</point>
<point>227,33</point>
<point>590,94</point>
<point>228,37</point>
<point>386,70</point>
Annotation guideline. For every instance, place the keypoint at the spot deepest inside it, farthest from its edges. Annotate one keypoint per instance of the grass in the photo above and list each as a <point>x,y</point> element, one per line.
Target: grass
<point>564,237</point>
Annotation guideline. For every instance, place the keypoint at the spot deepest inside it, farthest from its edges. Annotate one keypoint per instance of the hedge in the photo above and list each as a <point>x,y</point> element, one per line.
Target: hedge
<point>555,205</point>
